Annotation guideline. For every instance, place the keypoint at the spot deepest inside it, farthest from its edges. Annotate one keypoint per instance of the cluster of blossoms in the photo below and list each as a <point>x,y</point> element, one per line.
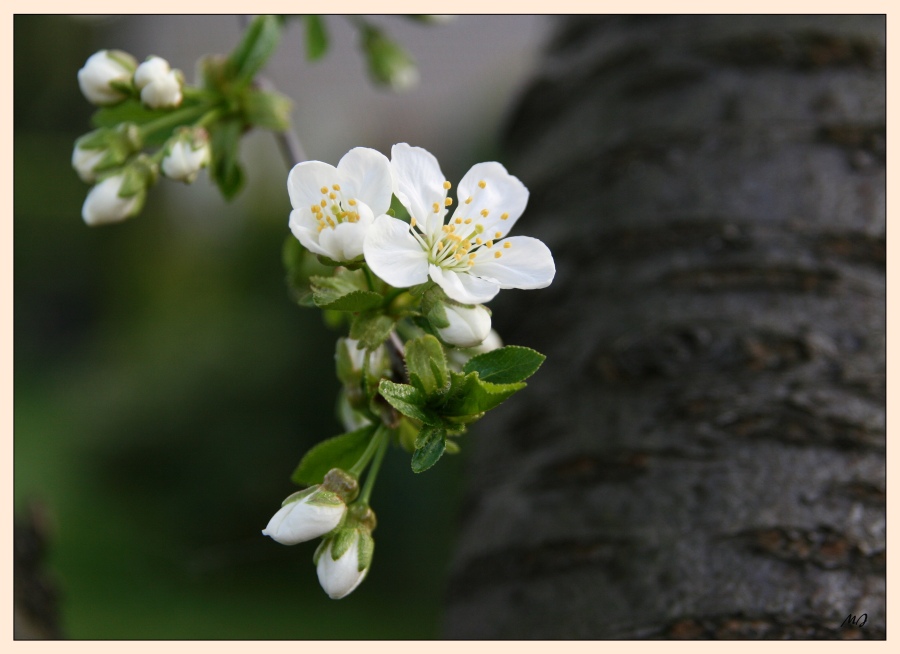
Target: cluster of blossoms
<point>414,287</point>
<point>111,158</point>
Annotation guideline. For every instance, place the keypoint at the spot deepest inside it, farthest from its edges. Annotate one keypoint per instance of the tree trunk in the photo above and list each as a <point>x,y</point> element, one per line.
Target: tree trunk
<point>703,453</point>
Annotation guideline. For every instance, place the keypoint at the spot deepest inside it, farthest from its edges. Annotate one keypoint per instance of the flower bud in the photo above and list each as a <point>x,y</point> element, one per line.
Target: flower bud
<point>186,154</point>
<point>389,64</point>
<point>306,515</point>
<point>104,149</point>
<point>350,361</point>
<point>160,86</point>
<point>344,558</point>
<point>105,203</point>
<point>458,357</point>
<point>105,77</point>
<point>469,325</point>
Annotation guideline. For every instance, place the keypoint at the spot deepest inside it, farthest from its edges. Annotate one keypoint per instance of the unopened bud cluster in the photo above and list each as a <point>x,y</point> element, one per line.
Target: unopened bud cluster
<point>112,158</point>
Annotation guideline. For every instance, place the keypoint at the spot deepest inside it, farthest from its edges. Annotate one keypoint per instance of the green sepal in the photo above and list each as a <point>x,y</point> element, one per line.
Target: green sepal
<point>267,109</point>
<point>299,495</point>
<point>341,542</point>
<point>406,434</point>
<point>316,37</point>
<point>365,550</point>
<point>257,45</point>
<point>452,447</point>
<point>320,550</point>
<point>505,365</point>
<point>339,452</point>
<point>430,445</point>
<point>371,328</point>
<point>470,395</point>
<point>427,366</point>
<point>409,401</point>
<point>326,499</point>
<point>225,169</point>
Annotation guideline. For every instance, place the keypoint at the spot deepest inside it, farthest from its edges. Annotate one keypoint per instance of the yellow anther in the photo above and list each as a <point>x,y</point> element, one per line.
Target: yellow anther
<point>471,262</point>
<point>458,221</point>
<point>457,256</point>
<point>412,222</point>
<point>436,207</point>
<point>469,200</point>
<point>507,245</point>
<point>446,229</point>
<point>448,202</point>
<point>323,203</point>
<point>446,184</point>
<point>336,187</point>
<point>481,184</point>
<point>314,208</point>
<point>332,196</point>
<point>489,244</point>
<point>473,255</point>
<point>497,254</point>
<point>484,212</point>
<point>441,246</point>
<point>324,190</point>
<point>504,216</point>
<point>467,221</point>
<point>498,234</point>
<point>351,202</point>
<point>478,241</point>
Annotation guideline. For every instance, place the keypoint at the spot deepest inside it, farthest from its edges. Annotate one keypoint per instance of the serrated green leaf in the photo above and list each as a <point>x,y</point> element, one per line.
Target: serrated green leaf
<point>430,445</point>
<point>316,37</point>
<point>259,42</point>
<point>344,291</point>
<point>371,328</point>
<point>425,360</point>
<point>505,365</point>
<point>469,395</point>
<point>409,401</point>
<point>339,452</point>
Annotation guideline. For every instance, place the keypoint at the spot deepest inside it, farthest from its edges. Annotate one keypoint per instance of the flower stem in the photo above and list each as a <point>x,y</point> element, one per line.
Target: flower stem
<point>383,437</point>
<point>174,119</point>
<point>360,465</point>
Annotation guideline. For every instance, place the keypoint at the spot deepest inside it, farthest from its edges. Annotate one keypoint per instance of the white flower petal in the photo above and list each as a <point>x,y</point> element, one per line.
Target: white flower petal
<point>393,254</point>
<point>104,205</point>
<point>502,194</point>
<point>366,176</point>
<point>463,287</point>
<point>304,228</point>
<point>419,184</point>
<point>306,180</point>
<point>468,326</point>
<point>300,521</point>
<point>526,263</point>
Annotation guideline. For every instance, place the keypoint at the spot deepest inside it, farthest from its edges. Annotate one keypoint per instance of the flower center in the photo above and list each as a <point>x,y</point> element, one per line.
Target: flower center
<point>463,239</point>
<point>334,209</point>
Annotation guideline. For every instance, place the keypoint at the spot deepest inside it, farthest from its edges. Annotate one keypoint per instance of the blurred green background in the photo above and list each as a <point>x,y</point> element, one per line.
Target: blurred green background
<point>165,386</point>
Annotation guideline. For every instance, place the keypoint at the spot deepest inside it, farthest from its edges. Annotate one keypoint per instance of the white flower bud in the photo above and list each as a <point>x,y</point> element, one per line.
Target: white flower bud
<point>306,515</point>
<point>104,205</point>
<point>160,86</point>
<point>84,161</point>
<point>105,75</point>
<point>468,327</point>
<point>186,157</point>
<point>344,558</point>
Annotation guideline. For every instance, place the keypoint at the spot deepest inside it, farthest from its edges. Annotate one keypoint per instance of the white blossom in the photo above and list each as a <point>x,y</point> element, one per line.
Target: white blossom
<point>84,161</point>
<point>471,257</point>
<point>104,205</point>
<point>102,73</point>
<point>334,207</point>
<point>186,157</point>
<point>306,515</point>
<point>160,86</point>
<point>468,326</point>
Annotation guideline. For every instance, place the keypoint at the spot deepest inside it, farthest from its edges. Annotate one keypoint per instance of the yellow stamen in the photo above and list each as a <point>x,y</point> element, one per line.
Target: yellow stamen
<point>484,212</point>
<point>467,221</point>
<point>507,245</point>
<point>435,207</point>
<point>478,241</point>
<point>412,222</point>
<point>498,234</point>
<point>314,208</point>
<point>323,203</point>
<point>489,244</point>
<point>332,196</point>
<point>324,190</point>
<point>446,184</point>
<point>504,216</point>
<point>351,202</point>
<point>458,221</point>
<point>481,184</point>
<point>497,254</point>
<point>469,200</point>
<point>473,255</point>
<point>448,202</point>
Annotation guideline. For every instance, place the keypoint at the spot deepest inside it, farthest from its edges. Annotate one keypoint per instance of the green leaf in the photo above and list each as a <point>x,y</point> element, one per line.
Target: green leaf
<point>371,328</point>
<point>409,401</point>
<point>226,171</point>
<point>344,291</point>
<point>505,365</point>
<point>316,37</point>
<point>425,363</point>
<point>469,395</point>
<point>267,109</point>
<point>430,445</point>
<point>257,45</point>
<point>338,452</point>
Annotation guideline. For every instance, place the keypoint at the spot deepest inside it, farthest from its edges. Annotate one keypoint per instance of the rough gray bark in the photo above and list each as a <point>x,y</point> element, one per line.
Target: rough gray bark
<point>703,454</point>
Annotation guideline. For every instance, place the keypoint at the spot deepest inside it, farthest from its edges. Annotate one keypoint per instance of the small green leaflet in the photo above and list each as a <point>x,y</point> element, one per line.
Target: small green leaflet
<point>316,37</point>
<point>430,445</point>
<point>426,365</point>
<point>339,452</point>
<point>505,365</point>
<point>343,292</point>
<point>408,400</point>
<point>470,395</point>
<point>371,328</point>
